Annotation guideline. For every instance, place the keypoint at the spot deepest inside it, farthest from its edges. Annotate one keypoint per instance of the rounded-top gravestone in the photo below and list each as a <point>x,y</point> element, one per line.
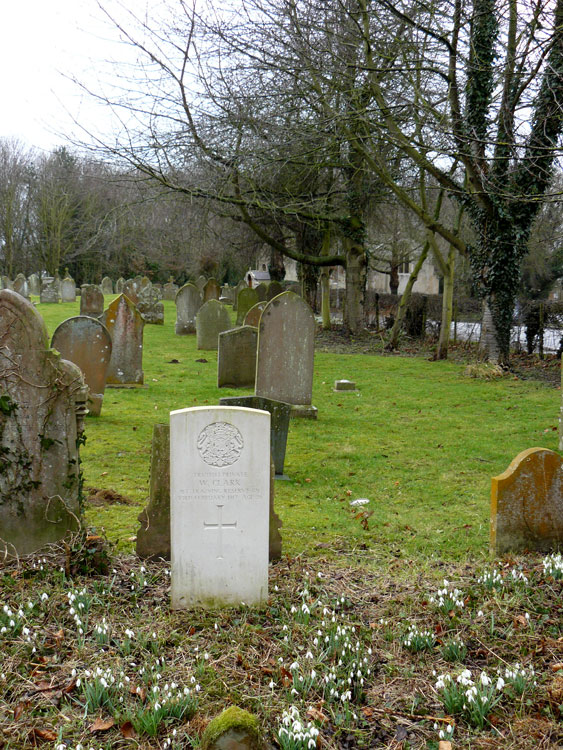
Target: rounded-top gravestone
<point>125,324</point>
<point>188,302</point>
<point>211,290</point>
<point>212,319</point>
<point>91,300</point>
<point>246,299</point>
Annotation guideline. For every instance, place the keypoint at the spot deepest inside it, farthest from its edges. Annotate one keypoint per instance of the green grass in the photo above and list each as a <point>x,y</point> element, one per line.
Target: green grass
<point>420,440</point>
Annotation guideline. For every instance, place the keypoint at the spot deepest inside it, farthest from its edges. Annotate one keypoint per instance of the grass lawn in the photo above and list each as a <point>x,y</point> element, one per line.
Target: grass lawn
<point>419,440</point>
<point>387,630</point>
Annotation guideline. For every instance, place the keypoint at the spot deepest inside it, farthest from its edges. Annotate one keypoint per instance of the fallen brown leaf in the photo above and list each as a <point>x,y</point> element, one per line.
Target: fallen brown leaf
<point>127,730</point>
<point>101,725</point>
<point>444,745</point>
<point>557,667</point>
<point>42,734</point>
<point>316,715</point>
<point>19,709</point>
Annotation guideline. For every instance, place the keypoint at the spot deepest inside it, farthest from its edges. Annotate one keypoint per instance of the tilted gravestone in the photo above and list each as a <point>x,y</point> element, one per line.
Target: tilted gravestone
<point>211,290</point>
<point>188,302</point>
<point>68,289</point>
<point>211,320</point>
<point>252,317</point>
<point>286,351</point>
<point>91,300</point>
<point>49,290</point>
<point>274,288</point>
<point>170,289</point>
<point>41,420</point>
<point>131,290</point>
<point>119,285</point>
<point>153,536</point>
<point>219,506</point>
<point>246,299</point>
<point>236,362</point>
<point>241,285</point>
<point>86,342</point>
<point>21,286</point>
<point>527,503</point>
<point>34,285</point>
<point>279,424</point>
<point>125,324</point>
<point>150,306</point>
<point>107,285</point>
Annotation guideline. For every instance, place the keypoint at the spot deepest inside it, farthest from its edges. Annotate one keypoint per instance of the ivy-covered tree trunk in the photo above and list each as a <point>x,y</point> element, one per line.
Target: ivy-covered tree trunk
<point>325,299</point>
<point>356,273</point>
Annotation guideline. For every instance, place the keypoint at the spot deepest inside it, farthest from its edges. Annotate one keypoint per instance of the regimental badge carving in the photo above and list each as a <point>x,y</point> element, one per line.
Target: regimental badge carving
<point>220,444</point>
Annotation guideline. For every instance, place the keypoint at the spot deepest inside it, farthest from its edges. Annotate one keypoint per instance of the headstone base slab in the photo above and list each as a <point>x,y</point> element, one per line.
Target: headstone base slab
<point>303,411</point>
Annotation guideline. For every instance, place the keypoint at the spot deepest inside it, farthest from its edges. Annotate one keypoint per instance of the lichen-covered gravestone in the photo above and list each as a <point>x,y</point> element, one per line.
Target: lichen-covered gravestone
<point>211,290</point>
<point>241,285</point>
<point>119,285</point>
<point>49,290</point>
<point>201,281</point>
<point>212,319</point>
<point>188,302</point>
<point>219,506</point>
<point>106,285</point>
<point>125,324</point>
<point>252,317</point>
<point>131,290</point>
<point>91,300</point>
<point>21,286</point>
<point>286,350</point>
<point>153,536</point>
<point>247,298</point>
<point>527,503</point>
<point>150,306</point>
<point>86,342</point>
<point>274,288</point>
<point>170,289</point>
<point>68,289</point>
<point>262,291</point>
<point>42,406</point>
<point>236,361</point>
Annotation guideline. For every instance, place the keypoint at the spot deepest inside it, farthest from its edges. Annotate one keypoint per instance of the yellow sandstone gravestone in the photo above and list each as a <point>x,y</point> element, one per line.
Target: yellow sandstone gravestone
<point>527,503</point>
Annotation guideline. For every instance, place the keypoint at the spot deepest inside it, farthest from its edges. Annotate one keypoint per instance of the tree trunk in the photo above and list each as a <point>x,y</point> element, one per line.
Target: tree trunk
<point>403,304</point>
<point>447,306</point>
<point>276,267</point>
<point>325,299</point>
<point>488,341</point>
<point>356,272</point>
<point>394,278</point>
<point>309,284</point>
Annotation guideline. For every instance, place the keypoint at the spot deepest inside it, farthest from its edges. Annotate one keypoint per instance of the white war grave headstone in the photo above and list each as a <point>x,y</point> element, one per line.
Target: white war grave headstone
<point>219,506</point>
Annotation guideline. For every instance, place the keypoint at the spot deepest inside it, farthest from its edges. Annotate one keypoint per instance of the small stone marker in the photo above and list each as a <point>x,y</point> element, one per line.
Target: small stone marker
<point>153,538</point>
<point>286,350</point>
<point>219,506</point>
<point>188,302</point>
<point>212,319</point>
<point>233,729</point>
<point>252,317</point>
<point>236,362</point>
<point>211,290</point>
<point>86,342</point>
<point>125,324</point>
<point>49,290</point>
<point>91,300</point>
<point>279,424</point>
<point>246,299</point>
<point>527,503</point>
<point>106,285</point>
<point>344,385</point>
<point>44,403</point>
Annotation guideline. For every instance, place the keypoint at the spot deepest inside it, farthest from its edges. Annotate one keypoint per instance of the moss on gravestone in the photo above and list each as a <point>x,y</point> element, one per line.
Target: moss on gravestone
<point>234,729</point>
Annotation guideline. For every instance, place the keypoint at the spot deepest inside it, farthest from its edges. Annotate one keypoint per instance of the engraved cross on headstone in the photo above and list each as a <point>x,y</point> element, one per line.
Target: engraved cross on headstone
<point>219,527</point>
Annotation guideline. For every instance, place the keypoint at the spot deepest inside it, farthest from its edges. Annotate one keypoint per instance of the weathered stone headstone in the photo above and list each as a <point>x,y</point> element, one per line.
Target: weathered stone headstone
<point>286,350</point>
<point>170,289</point>
<point>188,302</point>
<point>211,320</point>
<point>40,422</point>
<point>125,324</point>
<point>68,289</point>
<point>107,285</point>
<point>91,300</point>
<point>150,306</point>
<point>211,290</point>
<point>86,342</point>
<point>236,362</point>
<point>21,286</point>
<point>219,506</point>
<point>34,285</point>
<point>246,299</point>
<point>262,291</point>
<point>6,283</point>
<point>527,503</point>
<point>252,317</point>
<point>139,281</point>
<point>241,285</point>
<point>119,285</point>
<point>131,290</point>
<point>201,281</point>
<point>153,537</point>
<point>274,288</point>
<point>228,293</point>
<point>145,281</point>
<point>49,290</point>
<point>279,424</point>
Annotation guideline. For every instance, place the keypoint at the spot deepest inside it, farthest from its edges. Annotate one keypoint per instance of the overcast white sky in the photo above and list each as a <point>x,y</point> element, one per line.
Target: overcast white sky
<point>40,41</point>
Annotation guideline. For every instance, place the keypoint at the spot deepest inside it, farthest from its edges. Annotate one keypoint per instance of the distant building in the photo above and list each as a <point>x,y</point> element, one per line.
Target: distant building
<point>253,278</point>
